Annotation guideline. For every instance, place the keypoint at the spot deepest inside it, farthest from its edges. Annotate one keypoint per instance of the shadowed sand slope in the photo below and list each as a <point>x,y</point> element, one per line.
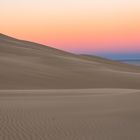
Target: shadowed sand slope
<point>27,65</point>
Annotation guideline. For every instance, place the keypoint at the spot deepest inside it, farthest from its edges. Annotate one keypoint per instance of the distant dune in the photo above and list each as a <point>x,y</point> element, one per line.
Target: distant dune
<point>27,65</point>
<point>131,61</point>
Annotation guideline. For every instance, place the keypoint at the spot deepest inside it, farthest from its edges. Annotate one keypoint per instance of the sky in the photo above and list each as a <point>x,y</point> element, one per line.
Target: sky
<point>102,27</point>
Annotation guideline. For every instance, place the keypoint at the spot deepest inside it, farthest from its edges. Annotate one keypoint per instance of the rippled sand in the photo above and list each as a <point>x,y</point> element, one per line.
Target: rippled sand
<point>98,114</point>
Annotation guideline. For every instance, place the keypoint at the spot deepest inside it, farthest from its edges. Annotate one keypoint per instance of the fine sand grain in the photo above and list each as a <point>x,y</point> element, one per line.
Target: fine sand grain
<point>91,114</point>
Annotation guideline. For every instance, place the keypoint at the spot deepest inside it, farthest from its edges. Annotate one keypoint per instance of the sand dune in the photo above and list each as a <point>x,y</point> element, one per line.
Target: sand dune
<point>49,94</point>
<point>27,65</point>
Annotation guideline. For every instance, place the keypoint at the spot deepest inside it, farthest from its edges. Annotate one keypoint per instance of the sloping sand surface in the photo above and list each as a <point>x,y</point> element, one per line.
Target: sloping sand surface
<point>27,65</point>
<point>91,114</point>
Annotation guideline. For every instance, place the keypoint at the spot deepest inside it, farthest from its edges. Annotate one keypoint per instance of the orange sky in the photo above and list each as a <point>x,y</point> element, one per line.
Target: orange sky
<point>74,25</point>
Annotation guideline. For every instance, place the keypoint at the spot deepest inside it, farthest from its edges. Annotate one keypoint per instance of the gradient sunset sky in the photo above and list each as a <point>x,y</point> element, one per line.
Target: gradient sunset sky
<point>82,26</point>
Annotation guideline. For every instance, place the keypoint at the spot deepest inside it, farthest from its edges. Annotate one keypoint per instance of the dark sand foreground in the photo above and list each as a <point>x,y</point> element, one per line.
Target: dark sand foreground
<point>92,114</point>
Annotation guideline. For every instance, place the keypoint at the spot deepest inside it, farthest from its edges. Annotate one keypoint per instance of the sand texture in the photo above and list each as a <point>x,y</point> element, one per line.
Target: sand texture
<point>94,114</point>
